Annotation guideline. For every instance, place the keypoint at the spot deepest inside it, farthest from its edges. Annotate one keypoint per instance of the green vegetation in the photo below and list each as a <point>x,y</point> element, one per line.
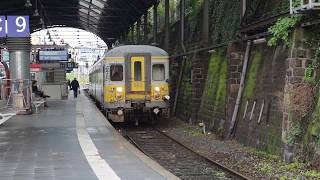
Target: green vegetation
<point>312,174</point>
<point>214,95</point>
<point>294,133</point>
<point>220,174</point>
<point>265,167</point>
<point>282,29</point>
<point>193,130</point>
<point>308,75</point>
<point>252,74</point>
<point>272,165</point>
<point>262,154</point>
<point>193,10</point>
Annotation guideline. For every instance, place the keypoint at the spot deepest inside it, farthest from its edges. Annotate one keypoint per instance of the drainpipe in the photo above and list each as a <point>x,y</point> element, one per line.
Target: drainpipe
<point>182,8</point>
<point>242,81</point>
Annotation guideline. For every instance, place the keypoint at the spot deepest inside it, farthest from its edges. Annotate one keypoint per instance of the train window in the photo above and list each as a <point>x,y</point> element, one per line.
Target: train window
<point>116,72</point>
<point>137,71</point>
<point>158,72</point>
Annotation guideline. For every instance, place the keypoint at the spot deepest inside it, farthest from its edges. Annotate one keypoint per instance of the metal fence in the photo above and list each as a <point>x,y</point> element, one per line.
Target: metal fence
<point>16,93</point>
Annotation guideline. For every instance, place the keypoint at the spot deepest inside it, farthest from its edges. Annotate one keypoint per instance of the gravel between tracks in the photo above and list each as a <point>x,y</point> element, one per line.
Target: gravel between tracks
<point>251,163</point>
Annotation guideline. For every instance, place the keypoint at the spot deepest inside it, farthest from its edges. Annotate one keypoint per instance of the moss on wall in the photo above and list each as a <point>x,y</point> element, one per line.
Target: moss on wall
<point>254,67</point>
<point>264,85</point>
<point>212,109</point>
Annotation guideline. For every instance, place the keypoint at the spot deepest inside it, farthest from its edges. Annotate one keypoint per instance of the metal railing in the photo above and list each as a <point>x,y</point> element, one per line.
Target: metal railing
<point>304,5</point>
<point>16,93</point>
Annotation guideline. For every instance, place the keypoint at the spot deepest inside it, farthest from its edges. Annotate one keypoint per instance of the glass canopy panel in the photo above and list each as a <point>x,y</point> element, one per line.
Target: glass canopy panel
<point>96,10</point>
<point>83,10</point>
<point>84,4</point>
<point>98,3</point>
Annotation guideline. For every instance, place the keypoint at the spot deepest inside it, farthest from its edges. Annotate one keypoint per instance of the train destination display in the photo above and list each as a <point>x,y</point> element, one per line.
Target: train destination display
<point>53,55</point>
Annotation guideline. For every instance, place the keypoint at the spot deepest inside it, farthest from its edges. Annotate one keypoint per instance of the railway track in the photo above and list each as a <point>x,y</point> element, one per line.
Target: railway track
<point>174,156</point>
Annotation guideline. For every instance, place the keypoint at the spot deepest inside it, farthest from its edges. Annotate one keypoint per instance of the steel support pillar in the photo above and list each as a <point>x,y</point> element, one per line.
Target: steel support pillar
<point>145,27</point>
<point>205,23</point>
<point>138,28</point>
<point>167,25</point>
<point>155,22</point>
<point>19,49</point>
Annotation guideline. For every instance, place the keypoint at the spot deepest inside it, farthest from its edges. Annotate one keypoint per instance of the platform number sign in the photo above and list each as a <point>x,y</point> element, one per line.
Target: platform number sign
<point>14,26</point>
<point>3,26</point>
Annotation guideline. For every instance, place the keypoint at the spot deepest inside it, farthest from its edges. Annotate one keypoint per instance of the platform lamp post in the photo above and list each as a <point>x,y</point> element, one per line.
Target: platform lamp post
<point>19,46</point>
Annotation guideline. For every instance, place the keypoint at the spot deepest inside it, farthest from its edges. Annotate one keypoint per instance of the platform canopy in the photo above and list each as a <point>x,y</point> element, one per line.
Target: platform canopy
<point>105,18</point>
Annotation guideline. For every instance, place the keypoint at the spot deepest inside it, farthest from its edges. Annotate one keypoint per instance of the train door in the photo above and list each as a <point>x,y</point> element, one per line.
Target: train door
<point>139,72</point>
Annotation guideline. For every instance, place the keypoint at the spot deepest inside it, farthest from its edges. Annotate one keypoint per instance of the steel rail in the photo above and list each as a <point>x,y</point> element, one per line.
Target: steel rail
<point>204,156</point>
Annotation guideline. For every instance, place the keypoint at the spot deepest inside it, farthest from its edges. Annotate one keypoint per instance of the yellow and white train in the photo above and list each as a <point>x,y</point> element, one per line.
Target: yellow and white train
<point>131,83</point>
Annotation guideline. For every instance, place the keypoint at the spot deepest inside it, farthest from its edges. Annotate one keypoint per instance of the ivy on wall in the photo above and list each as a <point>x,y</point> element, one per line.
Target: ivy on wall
<point>282,29</point>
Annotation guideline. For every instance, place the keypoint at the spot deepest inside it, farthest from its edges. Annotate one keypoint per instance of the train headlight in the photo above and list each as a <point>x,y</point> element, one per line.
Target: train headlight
<point>119,89</point>
<point>166,97</point>
<point>120,112</point>
<point>157,89</point>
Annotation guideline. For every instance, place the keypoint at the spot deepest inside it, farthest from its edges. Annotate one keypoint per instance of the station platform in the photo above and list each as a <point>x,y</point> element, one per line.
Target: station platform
<point>70,140</point>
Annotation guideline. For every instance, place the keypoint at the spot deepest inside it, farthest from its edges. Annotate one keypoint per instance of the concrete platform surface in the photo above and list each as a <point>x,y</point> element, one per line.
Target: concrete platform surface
<point>70,140</point>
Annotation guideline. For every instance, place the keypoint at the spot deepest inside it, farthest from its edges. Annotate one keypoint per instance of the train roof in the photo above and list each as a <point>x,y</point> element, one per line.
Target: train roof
<point>122,51</point>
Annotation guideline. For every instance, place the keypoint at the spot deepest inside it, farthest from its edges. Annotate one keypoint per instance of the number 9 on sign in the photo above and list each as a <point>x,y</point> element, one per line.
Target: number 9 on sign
<point>21,23</point>
<point>18,26</point>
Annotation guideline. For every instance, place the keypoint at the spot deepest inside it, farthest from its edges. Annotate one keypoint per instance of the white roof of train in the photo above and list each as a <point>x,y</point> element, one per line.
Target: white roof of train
<point>122,51</point>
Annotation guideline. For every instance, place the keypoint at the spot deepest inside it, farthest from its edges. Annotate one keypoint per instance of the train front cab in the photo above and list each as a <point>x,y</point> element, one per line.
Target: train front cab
<point>137,87</point>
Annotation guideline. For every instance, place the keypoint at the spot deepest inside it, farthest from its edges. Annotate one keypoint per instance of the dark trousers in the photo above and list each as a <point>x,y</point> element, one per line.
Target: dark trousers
<point>75,93</point>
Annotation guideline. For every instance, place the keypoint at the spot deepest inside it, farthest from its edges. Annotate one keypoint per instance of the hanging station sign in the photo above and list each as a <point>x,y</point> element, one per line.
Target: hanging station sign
<point>14,26</point>
<point>53,55</point>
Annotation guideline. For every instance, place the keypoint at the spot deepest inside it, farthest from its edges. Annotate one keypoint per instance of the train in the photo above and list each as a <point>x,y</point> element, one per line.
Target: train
<point>131,83</point>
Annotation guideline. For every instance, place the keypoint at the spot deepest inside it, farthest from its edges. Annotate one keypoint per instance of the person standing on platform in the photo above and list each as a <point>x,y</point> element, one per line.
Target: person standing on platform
<point>69,84</point>
<point>75,86</point>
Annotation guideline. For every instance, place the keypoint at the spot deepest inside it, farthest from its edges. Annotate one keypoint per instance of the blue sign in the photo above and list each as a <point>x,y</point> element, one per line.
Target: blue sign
<point>53,55</point>
<point>2,26</point>
<point>18,26</point>
<point>14,26</point>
